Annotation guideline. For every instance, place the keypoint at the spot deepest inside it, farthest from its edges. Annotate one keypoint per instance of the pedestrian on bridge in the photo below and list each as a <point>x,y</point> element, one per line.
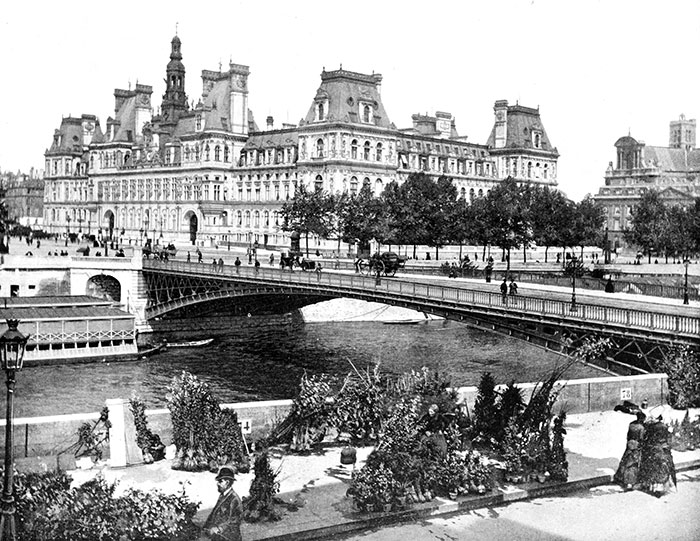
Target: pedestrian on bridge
<point>504,291</point>
<point>199,256</point>
<point>215,265</point>
<point>221,265</point>
<point>272,259</point>
<point>237,264</point>
<point>188,257</point>
<point>257,265</point>
<point>513,288</point>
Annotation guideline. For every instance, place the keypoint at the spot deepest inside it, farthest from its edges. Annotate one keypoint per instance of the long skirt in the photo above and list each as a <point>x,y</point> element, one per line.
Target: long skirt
<point>627,473</point>
<point>657,469</point>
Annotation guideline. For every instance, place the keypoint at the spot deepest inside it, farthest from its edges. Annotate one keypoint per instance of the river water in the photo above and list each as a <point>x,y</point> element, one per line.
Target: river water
<point>263,358</point>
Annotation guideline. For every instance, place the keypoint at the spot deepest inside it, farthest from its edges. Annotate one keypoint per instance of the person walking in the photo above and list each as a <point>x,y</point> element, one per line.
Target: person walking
<point>272,259</point>
<point>237,264</point>
<point>199,256</point>
<point>627,474</point>
<point>504,291</point>
<point>221,264</point>
<point>257,265</point>
<point>656,470</point>
<point>224,521</point>
<point>188,257</point>
<point>512,288</point>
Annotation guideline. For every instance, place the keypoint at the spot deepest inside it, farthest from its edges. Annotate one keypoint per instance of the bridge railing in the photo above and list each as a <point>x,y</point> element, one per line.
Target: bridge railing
<point>443,295</point>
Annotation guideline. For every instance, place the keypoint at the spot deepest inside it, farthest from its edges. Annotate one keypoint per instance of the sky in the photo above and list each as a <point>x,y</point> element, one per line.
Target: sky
<point>597,70</point>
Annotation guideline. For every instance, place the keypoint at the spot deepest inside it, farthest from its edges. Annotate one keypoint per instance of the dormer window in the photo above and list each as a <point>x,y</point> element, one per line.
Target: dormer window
<point>536,139</point>
<point>321,110</point>
<point>366,113</point>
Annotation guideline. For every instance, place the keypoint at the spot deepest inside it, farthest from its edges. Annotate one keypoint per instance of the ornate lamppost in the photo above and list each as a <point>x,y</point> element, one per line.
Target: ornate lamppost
<point>12,344</point>
<point>685,287</point>
<point>573,269</point>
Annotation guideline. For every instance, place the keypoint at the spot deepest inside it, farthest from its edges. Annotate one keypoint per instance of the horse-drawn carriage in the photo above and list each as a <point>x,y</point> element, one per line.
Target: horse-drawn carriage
<point>386,263</point>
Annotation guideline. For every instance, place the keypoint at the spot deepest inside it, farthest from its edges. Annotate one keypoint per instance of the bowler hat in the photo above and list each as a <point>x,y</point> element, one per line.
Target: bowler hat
<point>226,472</point>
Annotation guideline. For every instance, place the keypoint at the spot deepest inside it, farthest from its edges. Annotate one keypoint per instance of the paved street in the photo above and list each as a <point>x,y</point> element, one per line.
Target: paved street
<point>603,513</point>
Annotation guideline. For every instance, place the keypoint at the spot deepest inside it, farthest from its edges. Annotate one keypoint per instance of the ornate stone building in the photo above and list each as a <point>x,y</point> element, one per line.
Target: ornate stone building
<point>673,170</point>
<point>206,172</point>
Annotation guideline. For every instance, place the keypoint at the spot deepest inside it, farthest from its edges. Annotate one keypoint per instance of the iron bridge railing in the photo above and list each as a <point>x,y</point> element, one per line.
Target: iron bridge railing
<point>442,295</point>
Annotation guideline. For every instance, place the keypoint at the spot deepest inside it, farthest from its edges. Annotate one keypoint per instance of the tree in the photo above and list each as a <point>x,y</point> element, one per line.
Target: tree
<point>309,213</point>
<point>548,216</point>
<point>507,215</point>
<point>648,222</point>
<point>359,217</point>
<point>588,222</point>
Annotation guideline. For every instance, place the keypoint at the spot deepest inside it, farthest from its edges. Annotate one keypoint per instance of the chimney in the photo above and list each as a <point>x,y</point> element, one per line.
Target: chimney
<point>270,122</point>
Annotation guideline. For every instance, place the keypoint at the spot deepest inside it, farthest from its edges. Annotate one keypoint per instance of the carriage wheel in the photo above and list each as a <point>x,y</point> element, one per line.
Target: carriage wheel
<point>390,271</point>
<point>380,267</point>
<point>365,267</point>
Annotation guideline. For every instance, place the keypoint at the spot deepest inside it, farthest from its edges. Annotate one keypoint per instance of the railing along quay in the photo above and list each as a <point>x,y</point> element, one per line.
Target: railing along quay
<point>441,296</point>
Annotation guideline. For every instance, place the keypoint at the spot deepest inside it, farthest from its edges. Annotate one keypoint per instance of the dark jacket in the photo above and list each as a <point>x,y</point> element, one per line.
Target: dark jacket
<point>226,515</point>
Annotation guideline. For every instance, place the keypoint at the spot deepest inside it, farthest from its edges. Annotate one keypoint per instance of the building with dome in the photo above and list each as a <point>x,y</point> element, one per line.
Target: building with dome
<point>673,170</point>
<point>207,173</point>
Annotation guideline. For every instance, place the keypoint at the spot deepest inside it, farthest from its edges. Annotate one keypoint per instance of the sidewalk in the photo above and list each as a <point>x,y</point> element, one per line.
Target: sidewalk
<point>317,483</point>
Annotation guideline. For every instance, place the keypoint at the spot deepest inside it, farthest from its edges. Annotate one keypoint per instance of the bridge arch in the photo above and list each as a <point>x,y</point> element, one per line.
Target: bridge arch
<point>104,286</point>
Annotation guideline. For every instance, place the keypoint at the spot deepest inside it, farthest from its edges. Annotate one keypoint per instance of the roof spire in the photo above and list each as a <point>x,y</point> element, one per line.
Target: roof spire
<point>176,28</point>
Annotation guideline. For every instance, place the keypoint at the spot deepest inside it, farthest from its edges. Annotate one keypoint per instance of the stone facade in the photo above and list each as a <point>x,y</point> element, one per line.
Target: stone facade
<point>205,172</point>
<point>673,170</point>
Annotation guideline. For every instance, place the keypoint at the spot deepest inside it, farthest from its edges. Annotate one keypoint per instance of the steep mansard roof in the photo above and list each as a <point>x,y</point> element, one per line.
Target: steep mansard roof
<point>345,91</point>
<point>273,139</point>
<point>520,122</point>
<point>69,137</point>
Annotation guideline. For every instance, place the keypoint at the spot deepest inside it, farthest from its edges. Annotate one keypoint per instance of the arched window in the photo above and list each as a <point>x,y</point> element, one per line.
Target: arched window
<point>247,218</point>
<point>318,184</point>
<point>206,153</point>
<point>365,182</point>
<point>217,153</point>
<point>537,140</point>
<point>379,152</point>
<point>463,193</point>
<point>480,193</point>
<point>378,187</point>
<point>320,111</point>
<point>353,185</point>
<point>471,194</point>
<point>529,169</point>
<point>353,149</point>
<point>256,222</point>
<point>239,218</point>
<point>266,218</point>
<point>226,153</point>
<point>319,148</point>
<point>366,150</point>
<point>276,217</point>
<point>366,113</point>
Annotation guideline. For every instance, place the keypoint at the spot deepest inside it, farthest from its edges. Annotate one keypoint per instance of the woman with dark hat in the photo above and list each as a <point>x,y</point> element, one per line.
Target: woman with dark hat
<point>627,474</point>
<point>657,470</point>
<point>224,521</point>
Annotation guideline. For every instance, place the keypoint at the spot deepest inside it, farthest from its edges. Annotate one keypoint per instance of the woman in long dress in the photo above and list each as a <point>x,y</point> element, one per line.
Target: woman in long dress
<point>627,474</point>
<point>657,470</point>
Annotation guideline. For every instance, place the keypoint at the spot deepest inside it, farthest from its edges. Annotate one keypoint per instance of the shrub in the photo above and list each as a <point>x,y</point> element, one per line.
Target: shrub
<point>204,435</point>
<point>510,406</point>
<point>259,505</point>
<point>93,437</point>
<point>311,411</point>
<point>47,508</point>
<point>374,487</point>
<point>683,369</point>
<point>359,406</point>
<point>150,444</point>
<point>485,409</point>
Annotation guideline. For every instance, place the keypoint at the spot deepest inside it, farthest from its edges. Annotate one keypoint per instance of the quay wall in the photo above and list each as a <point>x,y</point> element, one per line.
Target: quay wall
<point>54,435</point>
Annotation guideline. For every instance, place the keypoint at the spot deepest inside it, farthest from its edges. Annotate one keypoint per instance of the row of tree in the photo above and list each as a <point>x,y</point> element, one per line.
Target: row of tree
<point>422,211</point>
<point>666,230</point>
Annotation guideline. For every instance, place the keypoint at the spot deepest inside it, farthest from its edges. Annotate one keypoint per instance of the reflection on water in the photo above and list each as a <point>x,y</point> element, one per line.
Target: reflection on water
<point>262,358</point>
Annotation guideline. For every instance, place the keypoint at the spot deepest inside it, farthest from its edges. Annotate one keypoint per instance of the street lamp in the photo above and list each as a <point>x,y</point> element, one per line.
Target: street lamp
<point>606,247</point>
<point>574,270</point>
<point>685,287</point>
<point>12,344</point>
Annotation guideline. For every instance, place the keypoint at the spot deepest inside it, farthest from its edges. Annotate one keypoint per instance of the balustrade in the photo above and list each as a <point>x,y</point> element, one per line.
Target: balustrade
<point>445,296</point>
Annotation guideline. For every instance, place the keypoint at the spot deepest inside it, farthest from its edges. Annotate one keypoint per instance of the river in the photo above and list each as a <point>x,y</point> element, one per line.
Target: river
<point>263,358</point>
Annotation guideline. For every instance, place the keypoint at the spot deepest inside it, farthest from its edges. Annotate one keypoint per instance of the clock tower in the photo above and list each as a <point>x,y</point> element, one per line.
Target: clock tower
<point>174,99</point>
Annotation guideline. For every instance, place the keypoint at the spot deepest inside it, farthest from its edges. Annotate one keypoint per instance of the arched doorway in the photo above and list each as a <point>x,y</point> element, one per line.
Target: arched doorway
<point>193,228</point>
<point>109,223</point>
<point>104,287</point>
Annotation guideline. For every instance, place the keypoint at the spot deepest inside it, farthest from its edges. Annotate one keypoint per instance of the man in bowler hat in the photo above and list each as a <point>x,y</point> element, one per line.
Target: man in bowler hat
<point>224,521</point>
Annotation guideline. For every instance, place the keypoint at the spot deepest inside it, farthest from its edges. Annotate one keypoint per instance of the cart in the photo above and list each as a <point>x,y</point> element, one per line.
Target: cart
<point>386,263</point>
